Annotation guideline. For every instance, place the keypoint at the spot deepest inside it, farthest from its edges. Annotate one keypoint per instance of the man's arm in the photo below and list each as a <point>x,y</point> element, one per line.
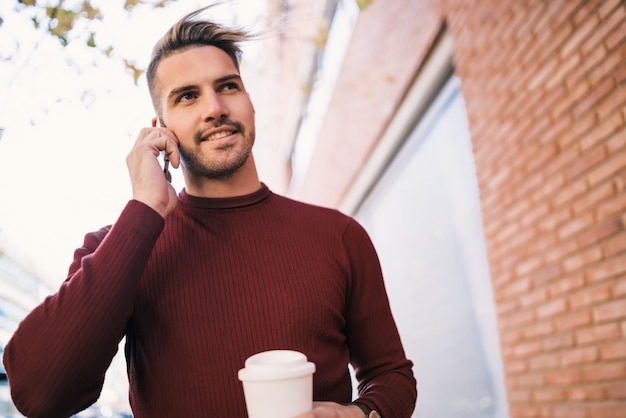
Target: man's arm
<point>385,377</point>
<point>57,358</point>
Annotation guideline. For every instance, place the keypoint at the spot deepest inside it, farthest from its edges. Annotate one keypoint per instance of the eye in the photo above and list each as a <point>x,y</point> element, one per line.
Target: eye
<point>186,97</point>
<point>228,87</point>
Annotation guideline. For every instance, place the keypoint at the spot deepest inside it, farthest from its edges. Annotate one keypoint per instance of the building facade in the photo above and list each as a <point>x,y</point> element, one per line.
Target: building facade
<point>483,146</point>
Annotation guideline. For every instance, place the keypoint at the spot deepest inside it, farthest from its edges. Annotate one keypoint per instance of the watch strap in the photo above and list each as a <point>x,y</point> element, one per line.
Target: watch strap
<point>369,413</point>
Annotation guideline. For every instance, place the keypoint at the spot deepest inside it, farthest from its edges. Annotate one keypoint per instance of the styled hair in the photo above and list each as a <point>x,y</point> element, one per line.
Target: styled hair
<point>190,32</point>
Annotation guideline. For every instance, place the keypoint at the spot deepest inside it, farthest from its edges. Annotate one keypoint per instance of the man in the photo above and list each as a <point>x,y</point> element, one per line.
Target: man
<point>200,281</point>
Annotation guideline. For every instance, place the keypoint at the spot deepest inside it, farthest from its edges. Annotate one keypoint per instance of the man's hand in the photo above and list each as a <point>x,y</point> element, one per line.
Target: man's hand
<point>332,410</point>
<point>146,174</point>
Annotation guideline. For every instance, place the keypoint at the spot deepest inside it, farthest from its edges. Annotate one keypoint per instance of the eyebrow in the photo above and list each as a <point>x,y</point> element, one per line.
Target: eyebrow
<point>183,89</point>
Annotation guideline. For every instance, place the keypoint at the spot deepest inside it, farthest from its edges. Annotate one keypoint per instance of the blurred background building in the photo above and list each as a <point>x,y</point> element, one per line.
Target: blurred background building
<point>483,146</point>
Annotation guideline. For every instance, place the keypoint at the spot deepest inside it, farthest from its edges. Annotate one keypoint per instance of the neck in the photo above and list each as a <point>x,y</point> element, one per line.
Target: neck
<point>242,182</point>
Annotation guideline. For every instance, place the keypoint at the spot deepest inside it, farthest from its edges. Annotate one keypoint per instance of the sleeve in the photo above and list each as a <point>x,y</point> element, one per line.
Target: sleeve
<point>57,358</point>
<point>385,376</point>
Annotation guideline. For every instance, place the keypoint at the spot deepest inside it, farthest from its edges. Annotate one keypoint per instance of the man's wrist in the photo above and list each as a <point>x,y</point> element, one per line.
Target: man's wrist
<point>367,411</point>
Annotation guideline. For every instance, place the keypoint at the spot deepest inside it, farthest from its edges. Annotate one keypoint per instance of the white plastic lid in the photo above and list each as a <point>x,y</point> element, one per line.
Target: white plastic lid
<point>276,365</point>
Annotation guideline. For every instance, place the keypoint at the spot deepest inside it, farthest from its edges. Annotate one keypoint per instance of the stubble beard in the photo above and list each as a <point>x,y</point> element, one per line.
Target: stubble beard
<point>222,166</point>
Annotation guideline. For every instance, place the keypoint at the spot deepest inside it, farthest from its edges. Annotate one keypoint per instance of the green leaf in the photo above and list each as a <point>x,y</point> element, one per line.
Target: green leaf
<point>135,72</point>
<point>363,4</point>
<point>90,12</point>
<point>131,3</point>
<point>92,40</point>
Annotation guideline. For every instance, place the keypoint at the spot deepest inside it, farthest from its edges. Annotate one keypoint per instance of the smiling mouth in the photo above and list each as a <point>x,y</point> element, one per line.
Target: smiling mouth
<point>218,135</point>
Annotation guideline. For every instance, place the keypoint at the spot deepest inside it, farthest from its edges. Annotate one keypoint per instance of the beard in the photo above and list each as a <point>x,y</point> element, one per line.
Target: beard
<point>227,160</point>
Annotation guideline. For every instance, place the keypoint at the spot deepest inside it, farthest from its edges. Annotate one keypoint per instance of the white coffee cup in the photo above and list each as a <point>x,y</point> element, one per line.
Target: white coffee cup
<point>277,384</point>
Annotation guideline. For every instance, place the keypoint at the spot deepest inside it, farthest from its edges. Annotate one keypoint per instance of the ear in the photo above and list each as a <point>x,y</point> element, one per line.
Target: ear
<point>154,121</point>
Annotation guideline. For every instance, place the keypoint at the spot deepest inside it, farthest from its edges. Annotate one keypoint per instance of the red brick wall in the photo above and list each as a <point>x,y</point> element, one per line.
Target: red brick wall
<point>544,83</point>
<point>545,87</point>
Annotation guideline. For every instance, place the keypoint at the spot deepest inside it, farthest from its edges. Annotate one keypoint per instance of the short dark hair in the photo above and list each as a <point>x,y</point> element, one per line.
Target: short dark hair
<point>188,33</point>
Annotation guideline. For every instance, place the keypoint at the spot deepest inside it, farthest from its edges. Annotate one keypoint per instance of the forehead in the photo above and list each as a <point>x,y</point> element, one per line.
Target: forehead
<point>193,65</point>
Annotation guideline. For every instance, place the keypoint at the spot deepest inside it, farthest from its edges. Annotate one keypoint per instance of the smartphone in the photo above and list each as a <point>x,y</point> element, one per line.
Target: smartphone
<point>166,157</point>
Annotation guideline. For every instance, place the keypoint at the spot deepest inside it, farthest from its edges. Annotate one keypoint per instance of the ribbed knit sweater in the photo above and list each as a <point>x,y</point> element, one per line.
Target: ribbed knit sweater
<point>196,294</point>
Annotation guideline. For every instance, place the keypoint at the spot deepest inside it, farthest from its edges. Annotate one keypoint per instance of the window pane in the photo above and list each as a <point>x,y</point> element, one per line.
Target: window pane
<point>424,218</point>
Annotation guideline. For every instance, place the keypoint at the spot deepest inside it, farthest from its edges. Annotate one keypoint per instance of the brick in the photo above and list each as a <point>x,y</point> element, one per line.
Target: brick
<point>566,284</point>
<point>574,226</point>
<point>599,232</point>
<point>615,245</point>
<point>598,333</point>
<point>518,318</point>
<point>514,367</point>
<point>601,75</point>
<point>527,349</point>
<point>570,191</point>
<point>604,371</point>
<point>553,220</point>
<point>516,287</point>
<point>534,298</point>
<point>573,320</point>
<point>579,129</point>
<point>539,329</point>
<point>610,167</point>
<point>530,380</point>
<point>558,341</point>
<point>612,207</point>
<point>528,265</point>
<point>565,66</point>
<point>606,270</point>
<point>610,311</point>
<point>592,198</point>
<point>617,36</point>
<point>549,361</point>
<point>548,395</point>
<point>616,390</point>
<point>591,59</point>
<point>560,251</point>
<point>582,259</point>
<point>568,411</point>
<point>582,32</point>
<point>619,75</point>
<point>595,40</point>
<point>604,130</point>
<point>548,274</point>
<point>519,395</point>
<point>590,296</point>
<point>618,288</point>
<point>613,103</point>
<point>590,159</point>
<point>579,356</point>
<point>617,142</point>
<point>586,393</point>
<point>614,351</point>
<point>564,377</point>
<point>608,7</point>
<point>607,411</point>
<point>552,308</point>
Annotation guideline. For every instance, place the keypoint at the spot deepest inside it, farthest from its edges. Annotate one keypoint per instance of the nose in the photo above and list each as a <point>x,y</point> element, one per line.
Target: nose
<point>214,107</point>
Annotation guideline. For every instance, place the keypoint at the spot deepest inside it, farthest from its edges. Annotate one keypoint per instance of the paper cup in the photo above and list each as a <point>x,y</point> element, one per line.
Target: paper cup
<point>277,384</point>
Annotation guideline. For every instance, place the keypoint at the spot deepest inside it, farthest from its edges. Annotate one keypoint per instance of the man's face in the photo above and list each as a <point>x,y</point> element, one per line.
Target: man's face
<point>204,102</point>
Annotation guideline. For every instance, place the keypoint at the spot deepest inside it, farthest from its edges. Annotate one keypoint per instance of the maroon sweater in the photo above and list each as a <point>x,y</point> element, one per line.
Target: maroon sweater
<point>198,293</point>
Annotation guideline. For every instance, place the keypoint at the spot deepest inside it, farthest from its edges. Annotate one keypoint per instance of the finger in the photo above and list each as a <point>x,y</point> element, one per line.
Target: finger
<point>170,146</point>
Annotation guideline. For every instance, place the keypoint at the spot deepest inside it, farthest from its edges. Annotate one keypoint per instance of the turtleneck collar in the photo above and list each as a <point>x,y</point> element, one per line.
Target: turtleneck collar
<point>224,202</point>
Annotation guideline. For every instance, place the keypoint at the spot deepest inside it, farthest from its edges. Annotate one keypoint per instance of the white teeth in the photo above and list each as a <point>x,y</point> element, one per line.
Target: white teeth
<point>218,135</point>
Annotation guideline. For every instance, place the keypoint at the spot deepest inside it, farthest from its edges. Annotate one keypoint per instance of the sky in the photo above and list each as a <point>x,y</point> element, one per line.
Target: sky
<point>69,117</point>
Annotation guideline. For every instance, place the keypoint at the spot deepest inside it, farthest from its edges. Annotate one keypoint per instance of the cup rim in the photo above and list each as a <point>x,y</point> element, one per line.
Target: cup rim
<point>276,365</point>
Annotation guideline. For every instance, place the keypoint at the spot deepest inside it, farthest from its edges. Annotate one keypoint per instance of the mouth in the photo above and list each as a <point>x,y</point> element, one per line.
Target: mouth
<point>214,136</point>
